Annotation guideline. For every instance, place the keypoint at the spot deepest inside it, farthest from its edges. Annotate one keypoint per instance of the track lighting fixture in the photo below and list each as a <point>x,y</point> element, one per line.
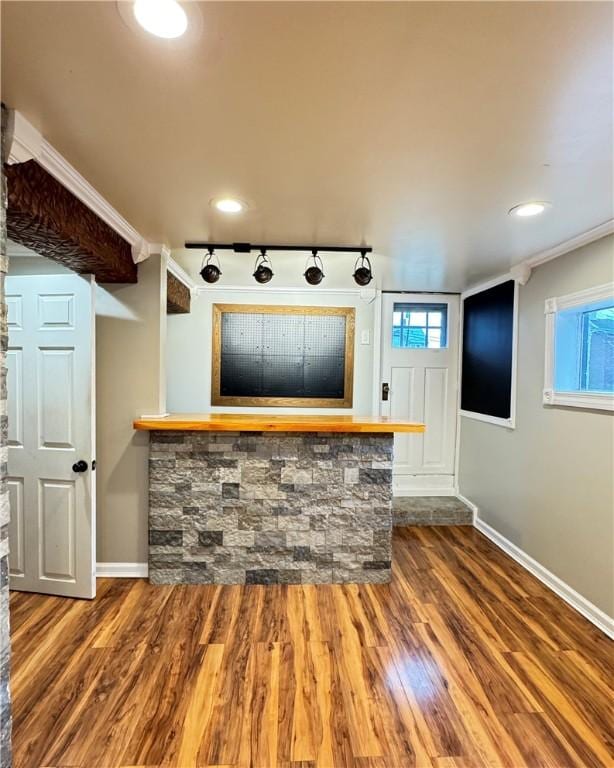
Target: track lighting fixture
<point>362,270</point>
<point>314,274</point>
<point>209,272</point>
<point>263,269</point>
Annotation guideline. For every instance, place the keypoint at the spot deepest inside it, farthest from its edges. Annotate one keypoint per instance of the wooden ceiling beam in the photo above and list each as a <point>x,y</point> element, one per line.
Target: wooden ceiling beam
<point>47,218</point>
<point>177,296</point>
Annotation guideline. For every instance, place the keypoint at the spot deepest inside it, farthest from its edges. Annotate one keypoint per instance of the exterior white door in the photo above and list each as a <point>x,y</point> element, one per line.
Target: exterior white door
<point>420,372</point>
<point>50,367</point>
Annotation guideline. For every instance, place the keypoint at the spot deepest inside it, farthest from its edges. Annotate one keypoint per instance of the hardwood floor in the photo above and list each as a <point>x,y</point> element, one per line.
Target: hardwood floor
<point>464,660</point>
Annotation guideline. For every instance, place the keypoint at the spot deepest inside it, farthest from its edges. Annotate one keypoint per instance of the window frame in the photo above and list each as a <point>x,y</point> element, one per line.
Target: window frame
<point>415,306</point>
<point>602,401</point>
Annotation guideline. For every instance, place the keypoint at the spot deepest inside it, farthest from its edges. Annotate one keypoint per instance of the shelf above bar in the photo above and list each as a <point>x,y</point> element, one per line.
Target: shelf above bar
<point>243,422</point>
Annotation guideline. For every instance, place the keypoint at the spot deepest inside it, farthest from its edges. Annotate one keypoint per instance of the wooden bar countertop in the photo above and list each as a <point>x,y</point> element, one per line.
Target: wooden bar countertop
<point>243,422</point>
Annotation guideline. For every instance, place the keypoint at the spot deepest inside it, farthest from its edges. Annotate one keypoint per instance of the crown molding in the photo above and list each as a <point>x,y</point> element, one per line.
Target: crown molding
<point>26,143</point>
<point>179,272</point>
<point>486,284</point>
<point>160,249</point>
<point>55,164</point>
<point>521,272</point>
<point>585,238</point>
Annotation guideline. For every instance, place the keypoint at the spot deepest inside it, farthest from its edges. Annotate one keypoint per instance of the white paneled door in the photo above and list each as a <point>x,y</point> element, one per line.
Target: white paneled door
<point>419,382</point>
<point>51,426</point>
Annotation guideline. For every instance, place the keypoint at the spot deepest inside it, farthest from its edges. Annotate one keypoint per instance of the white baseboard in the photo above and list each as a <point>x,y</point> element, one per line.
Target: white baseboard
<point>595,615</point>
<point>470,504</point>
<point>122,570</point>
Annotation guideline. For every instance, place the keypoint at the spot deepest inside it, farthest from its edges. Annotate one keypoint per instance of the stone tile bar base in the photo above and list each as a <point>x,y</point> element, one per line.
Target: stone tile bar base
<point>430,510</point>
<point>269,508</point>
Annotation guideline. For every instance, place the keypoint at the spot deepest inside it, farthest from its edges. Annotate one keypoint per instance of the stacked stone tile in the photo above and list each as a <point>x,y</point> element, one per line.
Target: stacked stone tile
<point>269,508</point>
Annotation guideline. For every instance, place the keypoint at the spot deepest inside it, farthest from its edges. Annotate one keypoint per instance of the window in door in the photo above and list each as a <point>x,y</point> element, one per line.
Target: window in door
<point>419,326</point>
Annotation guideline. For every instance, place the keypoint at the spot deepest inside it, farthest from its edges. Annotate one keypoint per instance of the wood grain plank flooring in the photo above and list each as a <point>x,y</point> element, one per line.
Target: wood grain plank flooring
<point>463,661</point>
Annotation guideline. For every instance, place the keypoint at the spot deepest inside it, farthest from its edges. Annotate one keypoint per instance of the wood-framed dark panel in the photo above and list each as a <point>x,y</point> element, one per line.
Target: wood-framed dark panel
<point>345,400</point>
<point>44,216</point>
<point>177,296</point>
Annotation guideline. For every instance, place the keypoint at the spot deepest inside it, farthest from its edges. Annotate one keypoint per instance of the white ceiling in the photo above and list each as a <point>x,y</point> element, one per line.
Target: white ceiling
<point>412,127</point>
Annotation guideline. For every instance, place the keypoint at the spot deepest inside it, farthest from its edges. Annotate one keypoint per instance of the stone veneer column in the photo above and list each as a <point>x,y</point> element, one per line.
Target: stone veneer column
<point>270,508</point>
<point>5,698</point>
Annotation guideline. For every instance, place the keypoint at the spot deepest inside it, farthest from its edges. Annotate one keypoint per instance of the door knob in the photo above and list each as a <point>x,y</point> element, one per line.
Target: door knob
<point>79,466</point>
<point>385,391</point>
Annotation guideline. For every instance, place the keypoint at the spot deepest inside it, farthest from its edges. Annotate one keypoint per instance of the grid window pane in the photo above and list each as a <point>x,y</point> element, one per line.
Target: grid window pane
<point>419,326</point>
<point>417,318</point>
<point>434,338</point>
<point>416,337</point>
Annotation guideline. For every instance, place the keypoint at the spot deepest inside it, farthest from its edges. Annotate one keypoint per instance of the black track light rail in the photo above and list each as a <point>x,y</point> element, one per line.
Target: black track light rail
<point>249,247</point>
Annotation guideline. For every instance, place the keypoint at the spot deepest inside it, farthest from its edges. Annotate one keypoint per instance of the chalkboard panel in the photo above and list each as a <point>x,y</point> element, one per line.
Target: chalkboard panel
<point>488,336</point>
<point>276,356</point>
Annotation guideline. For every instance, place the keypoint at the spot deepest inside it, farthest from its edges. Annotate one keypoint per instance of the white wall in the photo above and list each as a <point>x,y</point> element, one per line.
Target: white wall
<point>547,486</point>
<point>189,336</point>
<point>35,265</point>
<point>188,351</point>
<point>130,330</point>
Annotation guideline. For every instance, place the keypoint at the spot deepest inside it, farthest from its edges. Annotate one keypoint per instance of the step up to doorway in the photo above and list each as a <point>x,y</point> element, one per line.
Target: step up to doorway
<point>430,510</point>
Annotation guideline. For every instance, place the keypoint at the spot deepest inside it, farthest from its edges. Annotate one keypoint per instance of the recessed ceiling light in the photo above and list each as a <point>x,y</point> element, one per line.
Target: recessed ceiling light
<point>163,18</point>
<point>228,205</point>
<point>533,208</point>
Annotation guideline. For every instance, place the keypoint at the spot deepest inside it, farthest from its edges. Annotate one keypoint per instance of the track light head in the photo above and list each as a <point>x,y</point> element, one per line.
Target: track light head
<point>210,273</point>
<point>362,270</point>
<point>263,269</point>
<point>314,274</point>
